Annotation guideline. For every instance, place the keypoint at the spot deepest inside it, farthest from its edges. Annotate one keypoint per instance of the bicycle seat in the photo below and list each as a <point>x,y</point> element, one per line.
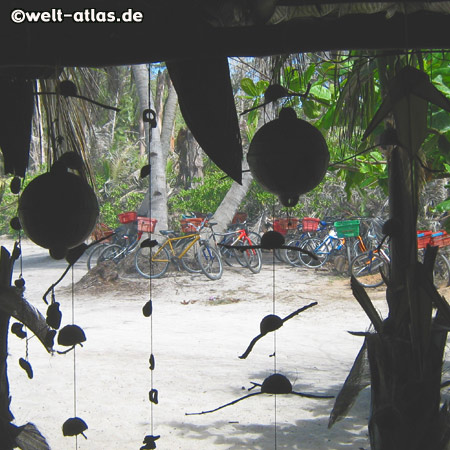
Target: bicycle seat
<point>211,224</point>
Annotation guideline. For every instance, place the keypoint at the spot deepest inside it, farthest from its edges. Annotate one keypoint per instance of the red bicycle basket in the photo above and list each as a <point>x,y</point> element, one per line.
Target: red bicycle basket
<point>443,240</point>
<point>127,217</point>
<point>310,224</point>
<point>423,238</point>
<point>190,225</point>
<point>146,225</point>
<point>285,224</point>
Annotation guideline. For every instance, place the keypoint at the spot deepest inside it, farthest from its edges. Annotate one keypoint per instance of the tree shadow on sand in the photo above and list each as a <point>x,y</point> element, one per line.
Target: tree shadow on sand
<point>303,434</point>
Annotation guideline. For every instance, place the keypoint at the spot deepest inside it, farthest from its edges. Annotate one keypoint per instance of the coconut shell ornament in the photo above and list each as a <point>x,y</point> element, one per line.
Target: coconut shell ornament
<point>288,157</point>
<point>58,210</point>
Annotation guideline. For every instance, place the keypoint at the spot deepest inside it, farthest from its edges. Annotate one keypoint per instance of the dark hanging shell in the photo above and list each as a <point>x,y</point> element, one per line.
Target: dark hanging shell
<point>145,171</point>
<point>149,442</point>
<point>150,243</point>
<point>14,223</point>
<point>19,283</point>
<point>276,384</point>
<point>71,335</point>
<point>271,240</point>
<point>67,88</point>
<point>270,323</point>
<point>17,329</point>
<point>50,338</point>
<point>27,367</point>
<point>74,426</point>
<point>147,309</point>
<point>15,185</point>
<point>54,316</point>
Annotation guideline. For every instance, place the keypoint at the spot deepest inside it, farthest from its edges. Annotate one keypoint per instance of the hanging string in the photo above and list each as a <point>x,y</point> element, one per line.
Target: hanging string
<point>275,332</point>
<point>74,358</point>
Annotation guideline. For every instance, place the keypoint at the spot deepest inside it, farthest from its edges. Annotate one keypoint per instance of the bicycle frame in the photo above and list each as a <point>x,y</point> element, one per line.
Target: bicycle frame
<point>168,243</point>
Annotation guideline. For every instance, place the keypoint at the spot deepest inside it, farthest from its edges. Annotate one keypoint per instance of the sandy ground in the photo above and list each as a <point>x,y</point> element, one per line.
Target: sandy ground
<point>199,329</point>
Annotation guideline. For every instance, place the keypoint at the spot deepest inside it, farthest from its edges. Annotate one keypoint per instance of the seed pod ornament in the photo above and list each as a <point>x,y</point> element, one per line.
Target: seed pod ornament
<point>288,157</point>
<point>74,426</point>
<point>58,210</point>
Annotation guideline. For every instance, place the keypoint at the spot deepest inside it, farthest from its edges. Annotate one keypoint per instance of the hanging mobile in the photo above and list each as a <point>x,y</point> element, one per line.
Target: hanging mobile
<point>149,116</point>
<point>270,323</point>
<point>17,327</point>
<point>274,384</point>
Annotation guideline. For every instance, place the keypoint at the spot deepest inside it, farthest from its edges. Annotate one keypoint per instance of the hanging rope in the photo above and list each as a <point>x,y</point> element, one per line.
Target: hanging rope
<point>74,357</point>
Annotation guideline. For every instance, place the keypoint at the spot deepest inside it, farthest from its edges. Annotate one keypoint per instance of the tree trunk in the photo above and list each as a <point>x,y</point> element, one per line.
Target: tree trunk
<point>231,202</point>
<point>190,160</point>
<point>156,196</point>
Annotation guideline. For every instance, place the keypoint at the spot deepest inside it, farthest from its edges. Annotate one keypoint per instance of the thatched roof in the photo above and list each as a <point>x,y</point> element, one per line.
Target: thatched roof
<point>173,29</point>
<point>183,32</point>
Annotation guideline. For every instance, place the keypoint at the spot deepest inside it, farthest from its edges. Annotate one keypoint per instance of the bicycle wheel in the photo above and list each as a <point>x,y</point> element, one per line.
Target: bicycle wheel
<point>367,268</point>
<point>291,256</point>
<point>255,238</point>
<point>253,259</point>
<point>210,262</point>
<point>152,262</point>
<point>319,248</point>
<point>441,271</point>
<point>228,255</point>
<point>94,254</point>
<point>189,260</point>
<point>112,252</point>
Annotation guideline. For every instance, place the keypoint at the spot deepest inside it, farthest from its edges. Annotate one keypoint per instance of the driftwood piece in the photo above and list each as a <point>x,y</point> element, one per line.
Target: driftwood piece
<point>13,304</point>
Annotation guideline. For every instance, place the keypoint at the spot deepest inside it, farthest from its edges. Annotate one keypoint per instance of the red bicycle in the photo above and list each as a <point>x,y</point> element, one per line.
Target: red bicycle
<point>238,235</point>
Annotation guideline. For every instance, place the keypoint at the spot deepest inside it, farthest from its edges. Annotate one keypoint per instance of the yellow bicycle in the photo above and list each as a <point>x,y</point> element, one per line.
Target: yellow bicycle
<point>189,251</point>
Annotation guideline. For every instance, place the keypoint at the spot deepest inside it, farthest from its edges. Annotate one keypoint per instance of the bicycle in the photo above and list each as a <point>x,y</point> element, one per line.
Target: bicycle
<point>372,267</point>
<point>124,240</point>
<point>310,227</point>
<point>238,235</point>
<point>153,262</point>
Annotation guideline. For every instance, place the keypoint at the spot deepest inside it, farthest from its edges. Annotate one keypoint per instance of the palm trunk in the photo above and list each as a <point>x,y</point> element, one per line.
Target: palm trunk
<point>156,197</point>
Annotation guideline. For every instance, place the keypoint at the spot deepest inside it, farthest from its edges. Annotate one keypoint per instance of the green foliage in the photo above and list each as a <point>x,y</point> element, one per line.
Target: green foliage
<point>116,198</point>
<point>204,198</point>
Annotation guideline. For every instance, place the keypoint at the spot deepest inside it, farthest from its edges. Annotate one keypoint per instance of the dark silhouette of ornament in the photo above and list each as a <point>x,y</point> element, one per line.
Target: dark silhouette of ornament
<point>69,336</point>
<point>273,384</point>
<point>17,329</point>
<point>271,240</point>
<point>288,157</point>
<point>15,185</point>
<point>147,309</point>
<point>27,367</point>
<point>149,442</point>
<point>54,316</point>
<point>271,323</point>
<point>58,210</point>
<point>74,426</point>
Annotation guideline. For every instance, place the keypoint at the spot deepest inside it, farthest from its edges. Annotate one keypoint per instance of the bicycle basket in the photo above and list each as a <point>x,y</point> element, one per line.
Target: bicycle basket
<point>441,240</point>
<point>127,217</point>
<point>190,225</point>
<point>285,224</point>
<point>146,224</point>
<point>423,238</point>
<point>310,224</point>
<point>347,228</point>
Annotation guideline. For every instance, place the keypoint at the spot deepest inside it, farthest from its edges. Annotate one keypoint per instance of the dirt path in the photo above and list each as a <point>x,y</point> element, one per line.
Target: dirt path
<point>200,327</point>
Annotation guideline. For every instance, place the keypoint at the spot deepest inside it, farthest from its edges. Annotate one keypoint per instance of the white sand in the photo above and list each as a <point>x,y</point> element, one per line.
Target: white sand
<point>199,329</point>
